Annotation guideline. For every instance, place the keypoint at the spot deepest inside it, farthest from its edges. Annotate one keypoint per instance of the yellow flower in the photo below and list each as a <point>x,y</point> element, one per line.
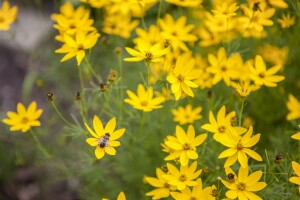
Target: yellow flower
<point>296,136</point>
<point>160,183</point>
<point>144,99</point>
<point>197,193</point>
<point>243,185</point>
<point>183,177</point>
<point>226,10</point>
<point>278,3</point>
<point>286,21</point>
<point>147,52</point>
<point>221,125</point>
<point>96,3</point>
<point>182,77</point>
<point>185,3</point>
<point>184,145</point>
<point>244,88</point>
<point>176,32</point>
<point>151,35</point>
<point>165,93</point>
<point>263,76</point>
<point>121,196</point>
<point>76,46</point>
<point>293,106</point>
<point>24,118</point>
<point>274,54</point>
<point>186,115</point>
<point>239,147</point>
<point>104,139</point>
<point>7,15</point>
<point>296,179</point>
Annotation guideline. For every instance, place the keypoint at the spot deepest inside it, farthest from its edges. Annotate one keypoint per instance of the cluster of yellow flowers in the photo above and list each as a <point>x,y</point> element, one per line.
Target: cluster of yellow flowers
<point>7,15</point>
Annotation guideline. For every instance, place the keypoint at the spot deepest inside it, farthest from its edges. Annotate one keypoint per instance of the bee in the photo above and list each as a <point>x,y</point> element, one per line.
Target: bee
<point>231,177</point>
<point>104,140</point>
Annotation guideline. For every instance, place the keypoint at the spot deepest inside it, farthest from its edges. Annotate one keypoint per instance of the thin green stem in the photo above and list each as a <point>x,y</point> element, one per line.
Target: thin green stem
<point>149,73</point>
<point>40,146</point>
<point>98,77</point>
<point>59,114</point>
<point>82,105</point>
<point>122,86</point>
<point>241,112</point>
<point>159,10</point>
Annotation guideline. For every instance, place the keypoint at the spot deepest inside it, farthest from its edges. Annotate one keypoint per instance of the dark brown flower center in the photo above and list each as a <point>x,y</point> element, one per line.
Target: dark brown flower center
<point>182,177</point>
<point>1,20</point>
<point>149,56</point>
<point>222,129</point>
<point>193,198</point>
<point>24,120</point>
<point>261,75</point>
<point>144,103</point>
<point>180,78</point>
<point>223,68</point>
<point>80,47</point>
<point>186,146</point>
<point>166,185</point>
<point>239,146</point>
<point>241,186</point>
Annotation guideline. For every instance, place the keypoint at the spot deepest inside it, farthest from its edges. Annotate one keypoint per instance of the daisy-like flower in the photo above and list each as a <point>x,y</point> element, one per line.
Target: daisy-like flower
<point>184,177</point>
<point>186,115</point>
<point>162,187</point>
<point>104,139</point>
<point>263,76</point>
<point>296,179</point>
<point>96,3</point>
<point>226,10</point>
<point>185,3</point>
<point>293,105</point>
<point>184,145</point>
<point>7,15</point>
<point>182,77</point>
<point>244,88</point>
<point>239,147</point>
<point>147,52</point>
<point>76,46</point>
<point>144,99</point>
<point>221,125</point>
<point>286,21</point>
<point>243,185</point>
<point>197,193</point>
<point>24,118</point>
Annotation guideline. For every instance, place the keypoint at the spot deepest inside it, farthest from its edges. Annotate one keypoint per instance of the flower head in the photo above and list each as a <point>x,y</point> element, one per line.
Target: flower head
<point>184,145</point>
<point>296,179</point>
<point>104,138</point>
<point>187,115</point>
<point>144,99</point>
<point>24,118</point>
<point>7,15</point>
<point>243,185</point>
<point>244,88</point>
<point>185,3</point>
<point>286,21</point>
<point>293,106</point>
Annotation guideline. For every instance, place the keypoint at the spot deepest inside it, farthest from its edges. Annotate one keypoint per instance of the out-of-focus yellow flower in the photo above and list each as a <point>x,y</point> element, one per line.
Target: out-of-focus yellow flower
<point>162,187</point>
<point>226,10</point>
<point>76,46</point>
<point>286,21</point>
<point>247,122</point>
<point>296,179</point>
<point>239,147</point>
<point>151,35</point>
<point>165,93</point>
<point>182,77</point>
<point>185,3</point>
<point>24,118</point>
<point>274,54</point>
<point>244,88</point>
<point>96,3</point>
<point>293,105</point>
<point>205,80</point>
<point>121,196</point>
<point>104,139</point>
<point>198,192</point>
<point>186,115</point>
<point>272,3</point>
<point>263,76</point>
<point>184,177</point>
<point>112,25</point>
<point>296,136</point>
<point>7,15</point>
<point>177,32</point>
<point>144,99</point>
<point>147,52</point>
<point>184,145</point>
<point>243,185</point>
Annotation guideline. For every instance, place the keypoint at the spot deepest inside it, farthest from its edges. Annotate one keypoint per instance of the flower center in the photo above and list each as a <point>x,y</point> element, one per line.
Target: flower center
<point>72,26</point>
<point>222,129</point>
<point>149,56</point>
<point>144,103</point>
<point>239,146</point>
<point>193,198</point>
<point>223,68</point>
<point>182,177</point>
<point>80,47</point>
<point>230,177</point>
<point>24,120</point>
<point>214,193</point>
<point>262,75</point>
<point>166,185</point>
<point>241,186</point>
<point>186,146</point>
<point>1,20</point>
<point>180,78</point>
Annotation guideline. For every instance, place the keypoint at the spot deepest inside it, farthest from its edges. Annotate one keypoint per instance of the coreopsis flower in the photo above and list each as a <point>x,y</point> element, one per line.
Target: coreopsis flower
<point>220,125</point>
<point>263,76</point>
<point>144,99</point>
<point>274,3</point>
<point>162,188</point>
<point>185,3</point>
<point>197,193</point>
<point>239,147</point>
<point>286,21</point>
<point>184,177</point>
<point>76,46</point>
<point>96,3</point>
<point>24,118</point>
<point>296,136</point>
<point>274,54</point>
<point>244,88</point>
<point>7,15</point>
<point>112,25</point>
<point>165,93</point>
<point>243,185</point>
<point>147,52</point>
<point>182,77</point>
<point>151,35</point>
<point>296,179</point>
<point>186,115</point>
<point>177,32</point>
<point>293,105</point>
<point>226,10</point>
<point>184,145</point>
<point>104,138</point>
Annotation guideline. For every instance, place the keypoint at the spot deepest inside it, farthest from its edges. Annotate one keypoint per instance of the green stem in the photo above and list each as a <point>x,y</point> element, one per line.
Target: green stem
<point>159,10</point>
<point>60,115</point>
<point>122,86</point>
<point>149,73</point>
<point>40,146</point>
<point>241,112</point>
<point>82,105</point>
<point>98,77</point>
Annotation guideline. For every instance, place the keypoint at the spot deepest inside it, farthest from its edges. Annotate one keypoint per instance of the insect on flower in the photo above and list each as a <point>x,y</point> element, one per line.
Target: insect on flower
<point>104,140</point>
